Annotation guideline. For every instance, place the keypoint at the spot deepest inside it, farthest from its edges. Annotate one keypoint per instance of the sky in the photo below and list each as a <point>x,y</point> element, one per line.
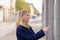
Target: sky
<point>37,4</point>
<point>5,2</point>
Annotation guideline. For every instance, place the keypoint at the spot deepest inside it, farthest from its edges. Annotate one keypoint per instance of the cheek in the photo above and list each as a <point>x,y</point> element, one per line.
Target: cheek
<point>27,19</point>
<point>24,18</point>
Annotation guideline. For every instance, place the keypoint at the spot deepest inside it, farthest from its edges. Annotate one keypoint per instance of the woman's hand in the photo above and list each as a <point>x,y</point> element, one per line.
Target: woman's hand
<point>45,29</point>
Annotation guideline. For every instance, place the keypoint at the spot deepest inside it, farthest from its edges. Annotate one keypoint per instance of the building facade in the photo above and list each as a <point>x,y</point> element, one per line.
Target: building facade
<point>6,8</point>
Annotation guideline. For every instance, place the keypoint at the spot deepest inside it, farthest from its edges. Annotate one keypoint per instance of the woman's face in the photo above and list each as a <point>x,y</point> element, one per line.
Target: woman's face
<point>26,17</point>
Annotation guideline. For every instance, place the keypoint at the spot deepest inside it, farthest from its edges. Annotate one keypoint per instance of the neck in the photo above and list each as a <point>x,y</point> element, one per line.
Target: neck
<point>25,24</point>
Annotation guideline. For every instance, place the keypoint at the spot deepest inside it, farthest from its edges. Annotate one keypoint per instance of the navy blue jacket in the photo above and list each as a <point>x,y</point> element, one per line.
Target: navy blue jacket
<point>24,33</point>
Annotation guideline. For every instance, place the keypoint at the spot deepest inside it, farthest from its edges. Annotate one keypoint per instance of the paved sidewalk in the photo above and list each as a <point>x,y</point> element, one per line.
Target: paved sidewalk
<point>6,28</point>
<point>10,36</point>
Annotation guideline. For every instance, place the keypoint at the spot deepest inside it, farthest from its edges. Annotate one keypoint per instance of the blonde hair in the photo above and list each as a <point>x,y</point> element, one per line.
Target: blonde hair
<point>20,15</point>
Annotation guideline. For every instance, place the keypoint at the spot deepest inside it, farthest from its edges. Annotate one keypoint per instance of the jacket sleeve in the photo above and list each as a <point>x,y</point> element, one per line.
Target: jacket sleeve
<point>27,36</point>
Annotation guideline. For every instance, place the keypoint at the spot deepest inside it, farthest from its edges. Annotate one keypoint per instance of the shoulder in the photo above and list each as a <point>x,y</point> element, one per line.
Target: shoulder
<point>19,27</point>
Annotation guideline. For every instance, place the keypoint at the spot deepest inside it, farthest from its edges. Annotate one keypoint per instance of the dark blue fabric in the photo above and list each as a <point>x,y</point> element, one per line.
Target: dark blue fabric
<point>24,33</point>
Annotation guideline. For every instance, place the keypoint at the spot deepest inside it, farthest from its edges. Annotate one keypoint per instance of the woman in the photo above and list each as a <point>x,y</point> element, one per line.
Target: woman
<point>24,31</point>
